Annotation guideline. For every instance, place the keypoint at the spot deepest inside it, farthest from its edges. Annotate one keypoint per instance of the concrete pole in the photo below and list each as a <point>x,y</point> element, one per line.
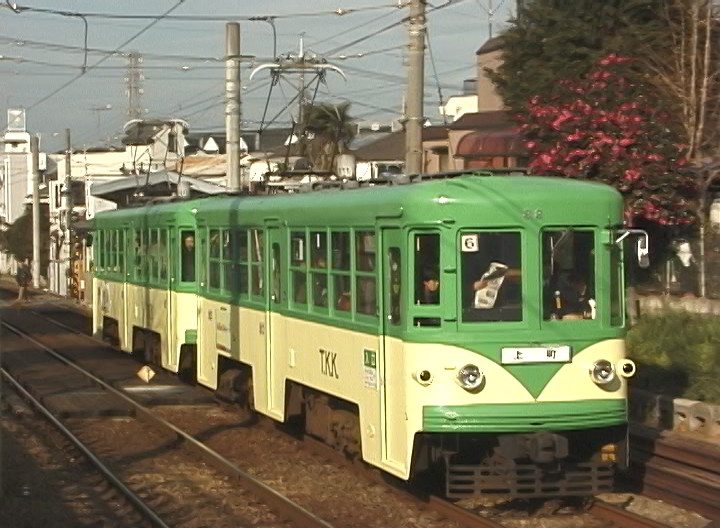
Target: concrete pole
<point>34,149</point>
<point>66,205</point>
<point>232,105</point>
<point>416,78</point>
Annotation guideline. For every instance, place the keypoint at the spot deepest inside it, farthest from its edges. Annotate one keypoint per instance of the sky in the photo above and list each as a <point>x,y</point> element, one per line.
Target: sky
<point>42,57</point>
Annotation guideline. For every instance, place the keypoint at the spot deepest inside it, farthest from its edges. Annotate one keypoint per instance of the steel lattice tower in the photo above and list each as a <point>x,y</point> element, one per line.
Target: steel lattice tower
<point>135,78</point>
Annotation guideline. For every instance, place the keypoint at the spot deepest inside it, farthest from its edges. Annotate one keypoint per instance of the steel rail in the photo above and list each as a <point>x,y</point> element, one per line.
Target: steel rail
<point>285,507</point>
<point>131,496</point>
<point>621,517</point>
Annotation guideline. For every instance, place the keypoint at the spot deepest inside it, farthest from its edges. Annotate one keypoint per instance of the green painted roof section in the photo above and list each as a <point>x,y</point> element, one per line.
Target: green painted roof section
<point>173,213</point>
<point>474,199</point>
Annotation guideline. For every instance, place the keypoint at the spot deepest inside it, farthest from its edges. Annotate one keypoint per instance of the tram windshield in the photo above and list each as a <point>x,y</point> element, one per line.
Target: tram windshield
<point>568,274</point>
<point>491,276</point>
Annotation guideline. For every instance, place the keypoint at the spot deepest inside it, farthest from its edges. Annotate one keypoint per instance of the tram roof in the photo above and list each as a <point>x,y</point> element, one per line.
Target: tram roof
<point>490,200</point>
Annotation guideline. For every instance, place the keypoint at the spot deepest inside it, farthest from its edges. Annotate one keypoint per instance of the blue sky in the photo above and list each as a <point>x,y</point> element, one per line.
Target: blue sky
<point>181,82</point>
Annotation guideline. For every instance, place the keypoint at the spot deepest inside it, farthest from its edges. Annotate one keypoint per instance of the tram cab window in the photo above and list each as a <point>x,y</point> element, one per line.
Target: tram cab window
<point>427,269</point>
<point>214,261</point>
<point>569,275</point>
<point>257,250</point>
<point>298,266</point>
<point>491,276</point>
<point>187,256</point>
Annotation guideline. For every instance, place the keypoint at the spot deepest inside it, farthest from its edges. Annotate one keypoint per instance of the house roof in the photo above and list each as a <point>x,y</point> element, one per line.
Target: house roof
<point>490,45</point>
<point>142,131</point>
<point>487,143</point>
<point>392,147</point>
<point>158,183</point>
<point>475,120</point>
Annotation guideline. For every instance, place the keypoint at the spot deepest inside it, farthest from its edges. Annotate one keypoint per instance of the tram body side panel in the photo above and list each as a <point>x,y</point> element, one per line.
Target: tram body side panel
<point>108,301</point>
<point>333,360</point>
<point>182,324</point>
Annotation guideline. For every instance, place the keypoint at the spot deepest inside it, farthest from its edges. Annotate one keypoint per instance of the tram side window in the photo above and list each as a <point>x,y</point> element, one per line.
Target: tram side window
<point>140,243</point>
<point>491,276</point>
<point>121,251</point>
<point>257,248</point>
<point>214,260</point>
<point>227,260</point>
<point>298,266</point>
<point>154,255</point>
<point>99,251</point>
<point>365,282</point>
<point>162,255</point>
<point>239,280</point>
<point>342,287</point>
<point>568,274</point>
<point>427,269</point>
<point>318,265</point>
<point>187,256</point>
<point>107,260</point>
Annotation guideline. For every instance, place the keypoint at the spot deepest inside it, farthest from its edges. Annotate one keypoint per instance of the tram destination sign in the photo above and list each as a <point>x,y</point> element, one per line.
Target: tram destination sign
<point>550,354</point>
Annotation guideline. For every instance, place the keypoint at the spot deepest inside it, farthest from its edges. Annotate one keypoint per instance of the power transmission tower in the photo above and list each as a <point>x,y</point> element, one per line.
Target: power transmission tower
<point>135,78</point>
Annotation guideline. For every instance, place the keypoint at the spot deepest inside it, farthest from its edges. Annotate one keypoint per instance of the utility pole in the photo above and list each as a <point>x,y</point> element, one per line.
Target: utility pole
<point>66,206</point>
<point>232,105</point>
<point>34,149</point>
<point>416,78</point>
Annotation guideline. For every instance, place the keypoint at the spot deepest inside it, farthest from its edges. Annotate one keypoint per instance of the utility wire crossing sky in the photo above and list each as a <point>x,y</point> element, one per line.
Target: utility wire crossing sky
<point>67,62</point>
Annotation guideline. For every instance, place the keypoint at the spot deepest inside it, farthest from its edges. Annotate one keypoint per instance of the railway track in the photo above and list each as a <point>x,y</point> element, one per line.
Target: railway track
<point>82,396</point>
<point>685,472</point>
<point>607,514</point>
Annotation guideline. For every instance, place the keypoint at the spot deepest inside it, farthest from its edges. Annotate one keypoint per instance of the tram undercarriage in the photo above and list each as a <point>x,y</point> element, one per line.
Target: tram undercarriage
<point>537,464</point>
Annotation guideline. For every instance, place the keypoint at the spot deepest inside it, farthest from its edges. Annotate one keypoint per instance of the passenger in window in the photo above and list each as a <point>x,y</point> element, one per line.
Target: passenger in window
<point>571,299</point>
<point>486,289</point>
<point>431,287</point>
<point>188,257</point>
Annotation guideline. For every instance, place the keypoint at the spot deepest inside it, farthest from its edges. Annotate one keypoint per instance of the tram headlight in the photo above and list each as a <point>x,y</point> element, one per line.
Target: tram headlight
<point>602,372</point>
<point>470,377</point>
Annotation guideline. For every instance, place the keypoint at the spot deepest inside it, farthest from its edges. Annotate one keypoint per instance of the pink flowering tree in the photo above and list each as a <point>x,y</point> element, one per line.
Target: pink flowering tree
<point>607,127</point>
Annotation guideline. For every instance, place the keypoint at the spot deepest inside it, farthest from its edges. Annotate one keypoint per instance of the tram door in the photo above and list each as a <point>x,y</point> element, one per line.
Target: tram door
<point>276,297</point>
<point>390,362</point>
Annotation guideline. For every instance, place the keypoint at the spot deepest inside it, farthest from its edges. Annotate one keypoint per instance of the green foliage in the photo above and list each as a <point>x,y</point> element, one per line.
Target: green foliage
<point>19,237</point>
<point>333,128</point>
<point>561,39</point>
<point>677,354</point>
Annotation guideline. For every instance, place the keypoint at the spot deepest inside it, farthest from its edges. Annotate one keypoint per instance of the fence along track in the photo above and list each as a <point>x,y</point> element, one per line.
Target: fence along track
<point>283,506</point>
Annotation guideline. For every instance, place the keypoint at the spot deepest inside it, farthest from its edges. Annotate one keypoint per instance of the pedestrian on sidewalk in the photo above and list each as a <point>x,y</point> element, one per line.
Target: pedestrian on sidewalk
<point>23,278</point>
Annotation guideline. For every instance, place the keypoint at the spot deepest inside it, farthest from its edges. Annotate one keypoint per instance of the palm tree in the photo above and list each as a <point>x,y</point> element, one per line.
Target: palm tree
<point>333,128</point>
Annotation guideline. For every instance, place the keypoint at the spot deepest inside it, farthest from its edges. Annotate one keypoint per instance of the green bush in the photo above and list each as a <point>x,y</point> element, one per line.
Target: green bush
<point>677,354</point>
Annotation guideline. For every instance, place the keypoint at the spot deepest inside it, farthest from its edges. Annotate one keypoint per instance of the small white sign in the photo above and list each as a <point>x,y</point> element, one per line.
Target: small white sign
<point>551,354</point>
<point>469,243</point>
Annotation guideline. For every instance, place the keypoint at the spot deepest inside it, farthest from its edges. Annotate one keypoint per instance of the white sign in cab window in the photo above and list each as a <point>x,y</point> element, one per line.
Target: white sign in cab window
<point>550,354</point>
<point>469,243</point>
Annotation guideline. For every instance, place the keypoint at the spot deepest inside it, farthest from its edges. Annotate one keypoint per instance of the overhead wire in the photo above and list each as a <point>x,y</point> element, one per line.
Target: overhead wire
<point>125,43</point>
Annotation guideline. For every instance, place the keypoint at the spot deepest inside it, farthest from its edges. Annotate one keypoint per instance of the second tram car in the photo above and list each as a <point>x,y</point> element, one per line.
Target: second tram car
<point>468,327</point>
